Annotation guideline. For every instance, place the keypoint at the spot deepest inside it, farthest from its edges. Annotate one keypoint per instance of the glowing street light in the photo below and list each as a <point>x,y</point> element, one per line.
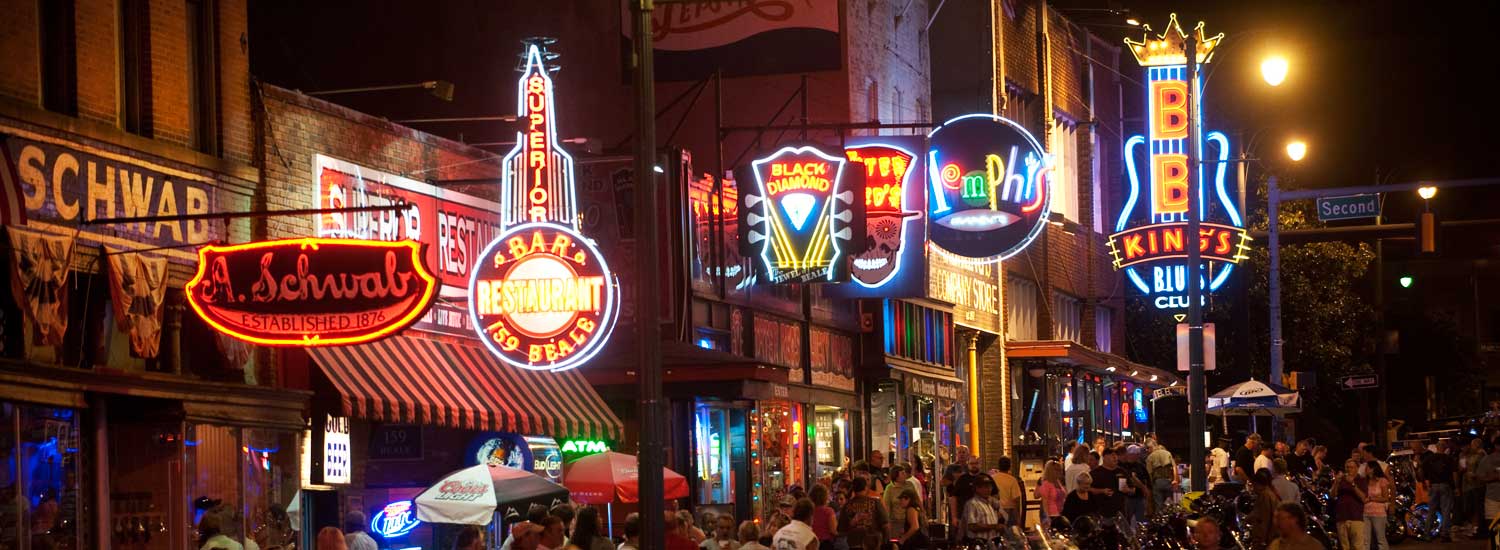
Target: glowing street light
<point>1274,70</point>
<point>1132,21</point>
<point>1296,150</point>
<point>1427,192</point>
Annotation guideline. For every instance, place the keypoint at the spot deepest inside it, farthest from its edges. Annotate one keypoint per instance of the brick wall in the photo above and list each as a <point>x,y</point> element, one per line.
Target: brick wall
<point>20,74</point>
<point>884,47</point>
<point>170,120</point>
<point>97,25</point>
<point>300,127</point>
<point>236,126</point>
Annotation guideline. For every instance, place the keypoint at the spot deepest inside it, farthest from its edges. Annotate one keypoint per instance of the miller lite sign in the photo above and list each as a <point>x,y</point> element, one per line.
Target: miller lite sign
<point>1150,242</point>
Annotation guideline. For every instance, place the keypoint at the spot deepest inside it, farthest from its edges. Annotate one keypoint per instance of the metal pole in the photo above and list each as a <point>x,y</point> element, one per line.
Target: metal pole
<point>1380,340</point>
<point>1273,232</point>
<point>650,456</point>
<point>1197,394</point>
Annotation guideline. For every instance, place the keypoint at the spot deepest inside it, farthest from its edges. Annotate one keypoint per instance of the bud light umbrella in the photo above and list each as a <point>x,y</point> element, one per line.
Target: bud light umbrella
<point>1252,398</point>
<point>473,495</point>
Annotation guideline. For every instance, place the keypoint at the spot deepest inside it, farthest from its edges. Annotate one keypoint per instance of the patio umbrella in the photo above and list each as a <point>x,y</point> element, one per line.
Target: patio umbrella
<point>1252,398</point>
<point>611,477</point>
<point>473,495</point>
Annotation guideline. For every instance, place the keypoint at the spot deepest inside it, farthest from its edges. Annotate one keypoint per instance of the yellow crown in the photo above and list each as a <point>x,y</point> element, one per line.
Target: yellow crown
<point>1169,48</point>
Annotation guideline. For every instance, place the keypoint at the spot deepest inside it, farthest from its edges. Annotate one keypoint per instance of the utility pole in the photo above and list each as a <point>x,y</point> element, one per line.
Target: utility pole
<point>1197,394</point>
<point>651,457</point>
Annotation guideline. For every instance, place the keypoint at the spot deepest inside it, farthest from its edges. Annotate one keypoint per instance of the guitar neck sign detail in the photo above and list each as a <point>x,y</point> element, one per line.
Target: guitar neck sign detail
<point>311,291</point>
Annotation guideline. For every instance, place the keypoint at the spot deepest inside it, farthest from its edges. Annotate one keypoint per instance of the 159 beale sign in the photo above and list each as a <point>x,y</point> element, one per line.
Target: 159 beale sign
<point>310,291</point>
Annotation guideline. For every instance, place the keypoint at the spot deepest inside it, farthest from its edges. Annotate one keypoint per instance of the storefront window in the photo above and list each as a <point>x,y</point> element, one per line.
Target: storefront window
<point>39,451</point>
<point>782,444</point>
<point>831,430</point>
<point>718,441</point>
<point>240,481</point>
<point>884,417</point>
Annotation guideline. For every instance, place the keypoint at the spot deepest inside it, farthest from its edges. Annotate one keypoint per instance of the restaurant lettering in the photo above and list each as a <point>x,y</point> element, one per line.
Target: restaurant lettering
<point>69,184</point>
<point>309,291</point>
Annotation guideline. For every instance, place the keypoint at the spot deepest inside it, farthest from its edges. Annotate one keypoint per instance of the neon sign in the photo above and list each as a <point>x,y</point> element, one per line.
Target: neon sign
<point>1150,238</point>
<point>311,291</point>
<point>541,295</point>
<point>585,446</point>
<point>1138,399</point>
<point>987,189</point>
<point>395,520</point>
<point>799,217</point>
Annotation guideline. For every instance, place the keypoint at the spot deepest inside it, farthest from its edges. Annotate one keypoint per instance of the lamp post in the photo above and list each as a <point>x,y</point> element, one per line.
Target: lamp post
<point>1197,393</point>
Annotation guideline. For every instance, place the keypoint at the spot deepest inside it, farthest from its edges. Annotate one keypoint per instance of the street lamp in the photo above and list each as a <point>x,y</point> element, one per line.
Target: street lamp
<point>1296,150</point>
<point>1273,69</point>
<point>1427,192</point>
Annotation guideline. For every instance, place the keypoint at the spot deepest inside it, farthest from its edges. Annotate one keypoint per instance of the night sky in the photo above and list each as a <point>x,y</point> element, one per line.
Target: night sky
<point>1397,89</point>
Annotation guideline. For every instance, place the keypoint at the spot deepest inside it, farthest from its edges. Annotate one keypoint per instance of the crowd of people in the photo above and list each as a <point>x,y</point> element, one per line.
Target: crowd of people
<point>871,505</point>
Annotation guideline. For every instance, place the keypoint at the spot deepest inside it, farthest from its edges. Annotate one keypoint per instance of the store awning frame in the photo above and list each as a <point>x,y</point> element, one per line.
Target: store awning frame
<point>1074,354</point>
<point>460,385</point>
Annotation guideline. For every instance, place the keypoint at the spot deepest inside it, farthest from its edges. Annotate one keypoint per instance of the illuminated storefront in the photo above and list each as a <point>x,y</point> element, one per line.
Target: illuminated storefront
<point>1073,394</point>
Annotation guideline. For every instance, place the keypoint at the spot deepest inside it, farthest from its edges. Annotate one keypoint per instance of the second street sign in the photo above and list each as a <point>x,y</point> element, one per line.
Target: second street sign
<point>1351,207</point>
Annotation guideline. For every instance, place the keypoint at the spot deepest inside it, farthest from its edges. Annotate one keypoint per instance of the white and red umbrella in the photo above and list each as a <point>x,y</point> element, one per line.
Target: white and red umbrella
<point>471,496</point>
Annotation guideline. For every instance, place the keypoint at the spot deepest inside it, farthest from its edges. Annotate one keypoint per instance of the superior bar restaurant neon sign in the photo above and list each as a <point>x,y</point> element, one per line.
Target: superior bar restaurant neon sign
<point>541,296</point>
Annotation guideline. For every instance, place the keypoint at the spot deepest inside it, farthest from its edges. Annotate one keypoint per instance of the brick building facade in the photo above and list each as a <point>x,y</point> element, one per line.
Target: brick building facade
<point>134,417</point>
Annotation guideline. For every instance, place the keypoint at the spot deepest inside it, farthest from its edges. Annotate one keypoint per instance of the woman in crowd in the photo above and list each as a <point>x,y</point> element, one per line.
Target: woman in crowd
<point>1080,502</point>
<point>1051,492</point>
<point>586,531</point>
<point>825,520</point>
<point>1378,493</point>
<point>1078,463</point>
<point>914,533</point>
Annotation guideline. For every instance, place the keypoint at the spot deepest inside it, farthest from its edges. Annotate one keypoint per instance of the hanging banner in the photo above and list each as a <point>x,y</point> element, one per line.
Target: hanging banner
<point>137,290</point>
<point>891,263</point>
<point>1150,242</point>
<point>742,38</point>
<point>311,291</point>
<point>40,264</point>
<point>541,296</point>
<point>801,218</point>
<point>988,192</point>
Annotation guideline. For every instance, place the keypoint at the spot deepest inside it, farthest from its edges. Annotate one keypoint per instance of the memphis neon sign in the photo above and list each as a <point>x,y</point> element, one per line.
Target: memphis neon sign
<point>988,188</point>
<point>311,291</point>
<point>541,296</point>
<point>799,214</point>
<point>1150,241</point>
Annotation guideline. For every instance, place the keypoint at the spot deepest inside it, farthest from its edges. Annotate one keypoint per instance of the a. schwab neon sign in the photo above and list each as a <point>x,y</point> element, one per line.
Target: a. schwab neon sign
<point>1150,241</point>
<point>541,295</point>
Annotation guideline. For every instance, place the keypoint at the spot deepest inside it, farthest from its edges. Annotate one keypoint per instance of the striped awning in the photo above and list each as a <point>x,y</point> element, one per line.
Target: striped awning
<point>427,381</point>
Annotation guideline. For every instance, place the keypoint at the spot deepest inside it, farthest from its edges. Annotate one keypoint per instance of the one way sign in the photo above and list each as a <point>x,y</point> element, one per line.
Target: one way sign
<point>1363,382</point>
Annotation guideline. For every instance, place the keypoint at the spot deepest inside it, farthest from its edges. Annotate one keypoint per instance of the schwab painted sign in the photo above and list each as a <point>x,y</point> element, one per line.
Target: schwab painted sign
<point>541,296</point>
<point>800,216</point>
<point>890,263</point>
<point>311,291</point>
<point>987,188</point>
<point>1150,237</point>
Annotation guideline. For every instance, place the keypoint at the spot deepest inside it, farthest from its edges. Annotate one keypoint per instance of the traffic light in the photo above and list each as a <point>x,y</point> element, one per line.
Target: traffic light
<point>1427,233</point>
<point>1406,281</point>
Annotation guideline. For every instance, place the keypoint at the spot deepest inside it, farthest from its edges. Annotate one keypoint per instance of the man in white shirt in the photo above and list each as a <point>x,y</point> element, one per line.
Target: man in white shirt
<point>797,535</point>
<point>1218,464</point>
<point>1263,461</point>
<point>354,532</point>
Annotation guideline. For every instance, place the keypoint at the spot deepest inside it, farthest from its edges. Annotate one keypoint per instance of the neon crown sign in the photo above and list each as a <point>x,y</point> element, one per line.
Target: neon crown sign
<point>541,296</point>
<point>1149,242</point>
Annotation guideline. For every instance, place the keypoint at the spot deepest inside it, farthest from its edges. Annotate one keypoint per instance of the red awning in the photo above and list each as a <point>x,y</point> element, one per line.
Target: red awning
<point>427,381</point>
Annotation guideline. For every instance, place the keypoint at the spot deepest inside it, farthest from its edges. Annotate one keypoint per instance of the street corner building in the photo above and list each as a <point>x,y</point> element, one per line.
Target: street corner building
<point>236,301</point>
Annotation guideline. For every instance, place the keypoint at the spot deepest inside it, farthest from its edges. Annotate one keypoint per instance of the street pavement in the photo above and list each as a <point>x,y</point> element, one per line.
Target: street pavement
<point>1464,543</point>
